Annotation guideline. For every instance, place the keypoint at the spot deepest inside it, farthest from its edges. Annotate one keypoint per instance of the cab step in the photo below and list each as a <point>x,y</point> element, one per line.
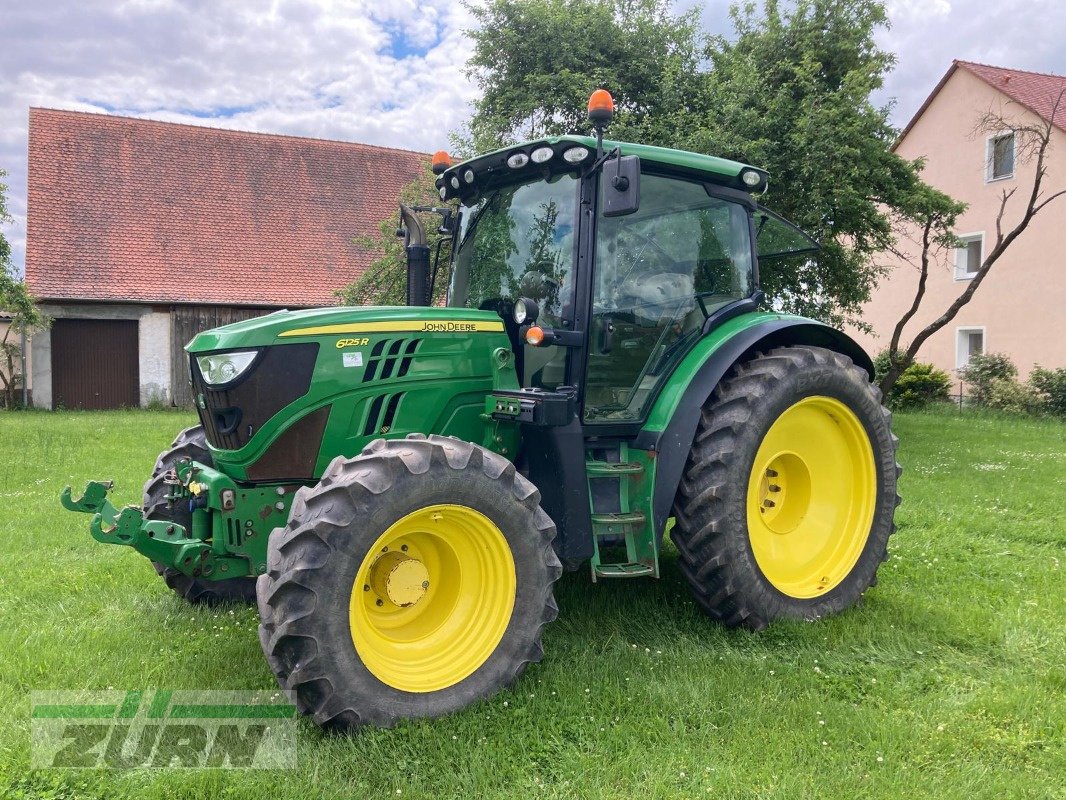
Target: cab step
<point>623,570</point>
<point>621,529</point>
<point>604,469</point>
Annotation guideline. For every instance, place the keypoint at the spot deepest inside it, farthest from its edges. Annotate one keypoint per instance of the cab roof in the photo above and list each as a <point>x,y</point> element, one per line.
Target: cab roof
<point>493,168</point>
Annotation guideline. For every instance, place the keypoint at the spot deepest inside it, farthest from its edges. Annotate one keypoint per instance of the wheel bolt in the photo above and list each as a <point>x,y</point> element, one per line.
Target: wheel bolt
<point>403,547</point>
<point>771,473</point>
<point>769,503</point>
<point>379,602</point>
<point>774,487</point>
<point>425,584</point>
<point>366,587</point>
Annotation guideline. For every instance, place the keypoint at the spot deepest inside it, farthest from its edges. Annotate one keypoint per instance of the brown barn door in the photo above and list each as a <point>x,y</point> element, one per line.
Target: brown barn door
<point>94,364</point>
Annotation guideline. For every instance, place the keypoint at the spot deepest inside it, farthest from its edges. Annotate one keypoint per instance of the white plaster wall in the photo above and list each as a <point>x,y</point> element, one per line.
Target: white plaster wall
<point>153,342</point>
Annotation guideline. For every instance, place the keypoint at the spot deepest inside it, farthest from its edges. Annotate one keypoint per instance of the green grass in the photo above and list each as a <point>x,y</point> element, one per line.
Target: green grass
<point>949,680</point>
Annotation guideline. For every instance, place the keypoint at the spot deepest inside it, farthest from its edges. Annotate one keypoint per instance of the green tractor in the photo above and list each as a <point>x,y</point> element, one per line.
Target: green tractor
<point>399,488</point>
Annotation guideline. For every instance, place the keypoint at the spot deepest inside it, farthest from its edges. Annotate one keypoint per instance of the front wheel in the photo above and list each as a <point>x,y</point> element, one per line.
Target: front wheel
<point>788,497</point>
<point>411,581</point>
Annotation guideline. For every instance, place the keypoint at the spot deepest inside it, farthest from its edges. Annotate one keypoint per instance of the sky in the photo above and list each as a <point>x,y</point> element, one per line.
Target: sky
<point>385,72</point>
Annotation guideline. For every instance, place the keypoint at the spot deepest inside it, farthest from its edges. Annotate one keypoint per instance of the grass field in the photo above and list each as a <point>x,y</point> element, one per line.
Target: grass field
<point>949,681</point>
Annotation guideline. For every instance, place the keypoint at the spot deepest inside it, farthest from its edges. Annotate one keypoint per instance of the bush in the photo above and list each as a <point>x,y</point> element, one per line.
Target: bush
<point>920,385</point>
<point>917,386</point>
<point>881,362</point>
<point>1005,394</point>
<point>1050,386</point>
<point>984,370</point>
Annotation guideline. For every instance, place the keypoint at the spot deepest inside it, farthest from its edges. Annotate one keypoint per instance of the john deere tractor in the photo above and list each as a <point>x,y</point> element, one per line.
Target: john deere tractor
<point>399,488</point>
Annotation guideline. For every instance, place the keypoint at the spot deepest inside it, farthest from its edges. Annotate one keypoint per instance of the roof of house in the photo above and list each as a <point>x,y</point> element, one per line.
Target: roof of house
<point>125,209</point>
<point>1041,93</point>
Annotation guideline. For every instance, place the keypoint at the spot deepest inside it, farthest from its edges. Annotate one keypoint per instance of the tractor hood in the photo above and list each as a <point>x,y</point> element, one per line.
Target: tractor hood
<point>284,327</point>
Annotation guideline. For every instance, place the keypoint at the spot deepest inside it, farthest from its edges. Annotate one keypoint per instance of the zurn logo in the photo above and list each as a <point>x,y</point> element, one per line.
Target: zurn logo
<point>163,729</point>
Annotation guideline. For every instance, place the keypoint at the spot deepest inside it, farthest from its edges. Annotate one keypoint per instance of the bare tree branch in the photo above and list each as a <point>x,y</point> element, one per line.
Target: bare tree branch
<point>1032,142</point>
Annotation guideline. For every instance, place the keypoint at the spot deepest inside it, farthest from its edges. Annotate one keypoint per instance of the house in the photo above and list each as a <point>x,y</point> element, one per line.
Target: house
<point>140,234</point>
<point>1020,307</point>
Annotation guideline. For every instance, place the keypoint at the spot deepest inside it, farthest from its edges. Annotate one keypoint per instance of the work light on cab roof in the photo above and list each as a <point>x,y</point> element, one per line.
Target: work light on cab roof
<point>399,487</point>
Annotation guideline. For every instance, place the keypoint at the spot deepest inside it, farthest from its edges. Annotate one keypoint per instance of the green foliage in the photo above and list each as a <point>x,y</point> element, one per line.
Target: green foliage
<point>1013,397</point>
<point>537,62</point>
<point>882,361</point>
<point>1050,386</point>
<point>993,383</point>
<point>919,386</point>
<point>384,282</point>
<point>25,316</point>
<point>790,92</point>
<point>985,369</point>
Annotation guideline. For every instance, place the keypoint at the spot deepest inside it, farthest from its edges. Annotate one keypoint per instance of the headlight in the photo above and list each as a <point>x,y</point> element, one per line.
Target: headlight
<point>751,178</point>
<point>517,160</point>
<point>222,368</point>
<point>542,154</point>
<point>575,155</point>
<point>525,310</point>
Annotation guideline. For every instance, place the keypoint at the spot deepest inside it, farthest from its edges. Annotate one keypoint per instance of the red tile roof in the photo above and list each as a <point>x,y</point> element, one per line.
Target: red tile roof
<point>1037,91</point>
<point>126,209</point>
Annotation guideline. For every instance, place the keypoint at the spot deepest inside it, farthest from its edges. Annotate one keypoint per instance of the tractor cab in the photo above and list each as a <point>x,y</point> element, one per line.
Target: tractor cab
<point>608,261</point>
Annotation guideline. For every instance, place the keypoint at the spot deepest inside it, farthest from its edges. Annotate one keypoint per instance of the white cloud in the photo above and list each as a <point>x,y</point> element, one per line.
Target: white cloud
<point>386,72</point>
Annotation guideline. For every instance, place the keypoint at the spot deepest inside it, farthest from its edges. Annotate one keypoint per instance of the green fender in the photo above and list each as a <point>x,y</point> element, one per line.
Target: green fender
<point>672,423</point>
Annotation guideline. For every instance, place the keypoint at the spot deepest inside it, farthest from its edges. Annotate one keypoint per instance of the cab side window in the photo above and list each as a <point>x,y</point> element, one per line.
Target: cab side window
<point>659,273</point>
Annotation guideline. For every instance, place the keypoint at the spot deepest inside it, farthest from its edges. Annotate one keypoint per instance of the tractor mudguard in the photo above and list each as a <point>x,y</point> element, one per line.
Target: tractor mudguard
<point>672,444</point>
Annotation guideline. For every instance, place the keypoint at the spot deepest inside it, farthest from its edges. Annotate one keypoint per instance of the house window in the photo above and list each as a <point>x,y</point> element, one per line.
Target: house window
<point>1000,156</point>
<point>969,342</point>
<point>968,255</point>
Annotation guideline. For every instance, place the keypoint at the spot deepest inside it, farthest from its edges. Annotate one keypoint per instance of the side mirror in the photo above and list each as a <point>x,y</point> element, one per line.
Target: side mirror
<point>621,186</point>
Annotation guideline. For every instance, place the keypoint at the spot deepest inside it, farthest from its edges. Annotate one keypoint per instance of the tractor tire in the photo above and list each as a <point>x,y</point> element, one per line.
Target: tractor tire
<point>190,443</point>
<point>787,500</point>
<point>411,581</point>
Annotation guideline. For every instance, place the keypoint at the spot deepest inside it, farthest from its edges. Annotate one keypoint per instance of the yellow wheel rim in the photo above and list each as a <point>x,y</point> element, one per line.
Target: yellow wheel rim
<point>433,598</point>
<point>811,497</point>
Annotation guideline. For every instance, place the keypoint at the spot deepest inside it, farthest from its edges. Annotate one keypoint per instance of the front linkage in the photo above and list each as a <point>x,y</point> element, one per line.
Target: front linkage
<point>229,523</point>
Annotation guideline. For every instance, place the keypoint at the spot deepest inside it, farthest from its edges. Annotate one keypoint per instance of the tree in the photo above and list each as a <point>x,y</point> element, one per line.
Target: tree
<point>384,281</point>
<point>790,92</point>
<point>537,61</point>
<point>15,301</point>
<point>1032,140</point>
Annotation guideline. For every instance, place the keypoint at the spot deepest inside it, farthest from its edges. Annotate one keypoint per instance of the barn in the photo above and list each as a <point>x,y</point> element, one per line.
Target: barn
<point>140,234</point>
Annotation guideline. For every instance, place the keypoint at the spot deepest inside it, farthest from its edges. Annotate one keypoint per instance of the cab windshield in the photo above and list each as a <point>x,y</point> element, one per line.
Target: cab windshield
<point>518,241</point>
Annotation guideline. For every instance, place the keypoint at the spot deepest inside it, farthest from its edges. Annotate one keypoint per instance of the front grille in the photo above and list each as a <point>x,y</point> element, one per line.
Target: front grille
<point>231,416</point>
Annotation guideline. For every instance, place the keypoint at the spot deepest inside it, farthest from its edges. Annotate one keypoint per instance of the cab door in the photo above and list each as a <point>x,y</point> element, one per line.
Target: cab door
<point>658,274</point>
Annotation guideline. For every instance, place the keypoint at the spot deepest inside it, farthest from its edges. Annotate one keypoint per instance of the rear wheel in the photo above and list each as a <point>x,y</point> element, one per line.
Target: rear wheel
<point>410,582</point>
<point>788,497</point>
<point>190,443</point>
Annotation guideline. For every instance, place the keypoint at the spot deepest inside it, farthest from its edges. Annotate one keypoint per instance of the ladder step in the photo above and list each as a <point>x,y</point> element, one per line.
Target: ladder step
<point>623,570</point>
<point>615,524</point>
<point>600,469</point>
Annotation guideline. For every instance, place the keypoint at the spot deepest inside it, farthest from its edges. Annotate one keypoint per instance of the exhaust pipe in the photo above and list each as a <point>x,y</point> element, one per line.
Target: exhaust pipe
<point>417,258</point>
